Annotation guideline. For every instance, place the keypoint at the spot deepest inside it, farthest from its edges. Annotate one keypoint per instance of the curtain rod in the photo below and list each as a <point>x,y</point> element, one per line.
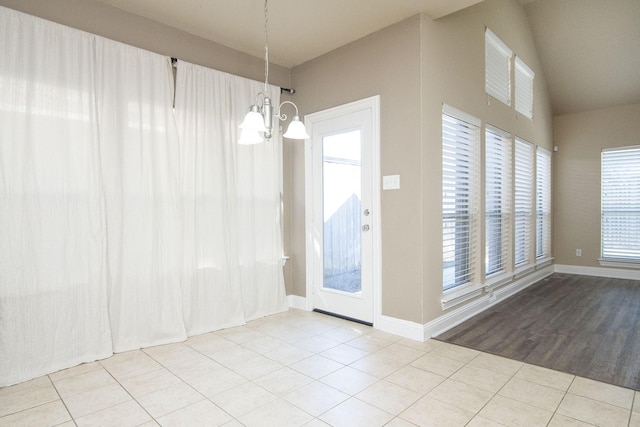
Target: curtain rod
<point>290,91</point>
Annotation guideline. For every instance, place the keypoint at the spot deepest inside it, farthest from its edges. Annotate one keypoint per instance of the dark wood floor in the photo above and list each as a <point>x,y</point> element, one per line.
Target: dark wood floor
<point>582,325</point>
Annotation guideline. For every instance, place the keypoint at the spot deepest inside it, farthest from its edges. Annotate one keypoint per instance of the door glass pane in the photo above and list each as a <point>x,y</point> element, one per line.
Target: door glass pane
<point>341,155</point>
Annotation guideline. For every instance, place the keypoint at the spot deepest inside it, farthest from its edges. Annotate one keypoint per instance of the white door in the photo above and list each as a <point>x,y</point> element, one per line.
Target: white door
<point>343,273</point>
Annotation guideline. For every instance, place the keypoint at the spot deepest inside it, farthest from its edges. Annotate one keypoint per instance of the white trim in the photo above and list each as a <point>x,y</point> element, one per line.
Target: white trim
<point>629,147</point>
<point>459,295</point>
<point>308,220</point>
<point>372,103</point>
<point>453,318</point>
<point>498,280</point>
<point>403,328</point>
<point>297,302</point>
<point>618,262</point>
<point>543,262</point>
<point>614,273</point>
<point>498,43</point>
<point>461,115</point>
<point>523,270</point>
<point>442,324</point>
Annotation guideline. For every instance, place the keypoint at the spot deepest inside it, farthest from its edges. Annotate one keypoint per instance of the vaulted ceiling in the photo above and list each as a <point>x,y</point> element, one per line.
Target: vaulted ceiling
<point>589,49</point>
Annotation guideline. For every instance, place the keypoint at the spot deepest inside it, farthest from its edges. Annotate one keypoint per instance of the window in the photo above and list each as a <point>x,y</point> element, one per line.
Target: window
<point>621,204</point>
<point>497,68</point>
<point>523,202</point>
<point>460,191</point>
<point>497,200</point>
<point>543,203</point>
<point>524,88</point>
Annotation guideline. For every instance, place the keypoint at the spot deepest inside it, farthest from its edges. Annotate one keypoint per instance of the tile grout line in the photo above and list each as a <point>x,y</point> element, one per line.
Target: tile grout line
<point>564,395</point>
<point>496,393</point>
<point>53,384</point>
<point>126,391</point>
<point>183,382</point>
<point>377,352</point>
<point>633,402</point>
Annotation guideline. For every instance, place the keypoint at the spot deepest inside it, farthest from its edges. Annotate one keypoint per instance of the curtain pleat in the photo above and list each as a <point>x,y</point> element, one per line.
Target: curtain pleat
<point>231,202</point>
<point>53,305</point>
<point>211,295</point>
<point>123,224</point>
<point>140,170</point>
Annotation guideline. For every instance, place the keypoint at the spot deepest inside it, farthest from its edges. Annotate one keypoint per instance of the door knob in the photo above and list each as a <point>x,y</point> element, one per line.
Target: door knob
<point>365,227</point>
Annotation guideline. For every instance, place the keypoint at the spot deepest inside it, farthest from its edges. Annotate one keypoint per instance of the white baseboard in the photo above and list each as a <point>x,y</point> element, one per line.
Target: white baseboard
<point>455,317</point>
<point>420,332</point>
<point>615,273</point>
<point>403,328</point>
<point>298,302</point>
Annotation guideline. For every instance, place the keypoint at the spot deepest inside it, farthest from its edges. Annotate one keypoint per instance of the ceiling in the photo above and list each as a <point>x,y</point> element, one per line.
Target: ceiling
<point>299,30</point>
<point>589,49</point>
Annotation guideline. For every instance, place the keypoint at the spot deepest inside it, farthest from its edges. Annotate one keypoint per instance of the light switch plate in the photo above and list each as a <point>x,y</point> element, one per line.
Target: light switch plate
<point>391,182</point>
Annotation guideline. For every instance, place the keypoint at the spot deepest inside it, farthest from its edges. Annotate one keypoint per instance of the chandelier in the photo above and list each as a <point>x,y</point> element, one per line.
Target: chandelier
<point>261,117</point>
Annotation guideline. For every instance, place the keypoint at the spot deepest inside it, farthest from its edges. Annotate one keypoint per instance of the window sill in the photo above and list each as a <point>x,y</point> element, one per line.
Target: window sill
<point>497,280</point>
<point>543,262</point>
<point>619,262</point>
<point>454,297</point>
<point>523,270</point>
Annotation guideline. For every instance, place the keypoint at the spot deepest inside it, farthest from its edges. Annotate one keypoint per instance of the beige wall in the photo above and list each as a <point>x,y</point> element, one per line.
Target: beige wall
<point>416,66</point>
<point>453,73</point>
<point>386,63</point>
<point>580,139</point>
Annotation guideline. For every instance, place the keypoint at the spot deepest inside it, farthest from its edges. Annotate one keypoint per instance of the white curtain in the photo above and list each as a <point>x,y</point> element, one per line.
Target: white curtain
<point>231,204</point>
<point>123,225</point>
<point>141,179</point>
<point>53,305</point>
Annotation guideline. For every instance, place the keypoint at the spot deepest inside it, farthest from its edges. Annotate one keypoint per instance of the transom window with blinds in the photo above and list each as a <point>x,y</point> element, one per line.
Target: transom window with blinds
<point>497,63</point>
<point>621,204</point>
<point>460,196</point>
<point>497,200</point>
<point>497,75</point>
<point>524,88</point>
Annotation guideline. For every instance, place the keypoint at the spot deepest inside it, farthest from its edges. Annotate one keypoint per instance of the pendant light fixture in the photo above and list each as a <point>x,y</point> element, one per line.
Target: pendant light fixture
<point>260,118</point>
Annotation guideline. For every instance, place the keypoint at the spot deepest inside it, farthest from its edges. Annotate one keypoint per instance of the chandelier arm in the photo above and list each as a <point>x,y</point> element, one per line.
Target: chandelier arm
<point>283,116</point>
<point>253,123</point>
<point>258,95</point>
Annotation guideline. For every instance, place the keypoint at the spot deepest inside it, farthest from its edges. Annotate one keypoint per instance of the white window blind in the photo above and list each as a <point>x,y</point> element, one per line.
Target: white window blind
<point>497,68</point>
<point>543,203</point>
<point>497,199</point>
<point>621,203</point>
<point>523,202</point>
<point>524,88</point>
<point>460,194</point>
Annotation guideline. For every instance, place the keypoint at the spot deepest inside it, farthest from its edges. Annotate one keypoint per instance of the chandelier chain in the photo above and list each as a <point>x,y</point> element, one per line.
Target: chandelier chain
<point>266,48</point>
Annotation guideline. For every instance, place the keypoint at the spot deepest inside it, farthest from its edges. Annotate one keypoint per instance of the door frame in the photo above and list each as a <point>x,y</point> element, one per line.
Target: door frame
<point>312,249</point>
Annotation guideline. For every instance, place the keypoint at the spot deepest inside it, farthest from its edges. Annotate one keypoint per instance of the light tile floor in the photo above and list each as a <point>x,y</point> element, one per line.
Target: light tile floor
<point>299,368</point>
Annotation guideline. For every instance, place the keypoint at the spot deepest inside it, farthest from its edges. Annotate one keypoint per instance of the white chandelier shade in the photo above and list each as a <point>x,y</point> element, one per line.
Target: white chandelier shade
<point>261,118</point>
<point>296,129</point>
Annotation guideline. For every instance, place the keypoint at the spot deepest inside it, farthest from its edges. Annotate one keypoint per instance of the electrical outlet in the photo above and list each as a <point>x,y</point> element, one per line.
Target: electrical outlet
<point>578,252</point>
